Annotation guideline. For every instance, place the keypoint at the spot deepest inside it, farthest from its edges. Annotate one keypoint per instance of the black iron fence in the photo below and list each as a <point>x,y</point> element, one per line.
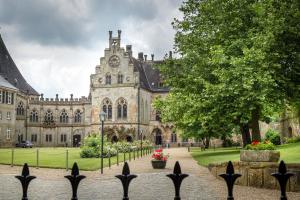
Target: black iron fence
<point>282,176</point>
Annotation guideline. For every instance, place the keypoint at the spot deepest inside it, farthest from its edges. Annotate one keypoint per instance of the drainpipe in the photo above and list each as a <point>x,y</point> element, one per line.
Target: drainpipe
<point>138,109</point>
<point>26,125</point>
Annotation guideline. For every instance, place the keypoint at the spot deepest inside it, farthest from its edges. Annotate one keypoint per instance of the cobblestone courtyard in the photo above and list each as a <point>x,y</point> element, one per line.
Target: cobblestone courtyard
<point>150,184</point>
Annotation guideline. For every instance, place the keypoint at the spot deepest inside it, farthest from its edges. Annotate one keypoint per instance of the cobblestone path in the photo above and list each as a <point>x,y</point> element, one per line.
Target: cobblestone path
<point>151,184</point>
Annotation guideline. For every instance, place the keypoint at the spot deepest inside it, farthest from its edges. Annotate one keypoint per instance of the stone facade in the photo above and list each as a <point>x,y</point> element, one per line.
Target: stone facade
<point>258,174</point>
<point>122,86</point>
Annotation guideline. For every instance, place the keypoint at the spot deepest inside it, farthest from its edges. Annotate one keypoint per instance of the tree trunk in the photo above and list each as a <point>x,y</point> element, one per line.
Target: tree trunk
<point>255,123</point>
<point>207,142</point>
<point>244,128</point>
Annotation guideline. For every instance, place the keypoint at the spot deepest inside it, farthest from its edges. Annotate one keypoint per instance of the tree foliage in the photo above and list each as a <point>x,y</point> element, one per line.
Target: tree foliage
<point>238,64</point>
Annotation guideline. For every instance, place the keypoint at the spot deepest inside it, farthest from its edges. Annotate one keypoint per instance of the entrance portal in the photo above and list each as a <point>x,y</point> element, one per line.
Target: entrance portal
<point>158,137</point>
<point>114,139</point>
<point>128,138</point>
<point>76,140</point>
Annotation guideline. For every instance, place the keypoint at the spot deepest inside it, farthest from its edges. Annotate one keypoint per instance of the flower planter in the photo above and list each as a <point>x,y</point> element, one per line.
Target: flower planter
<point>158,164</point>
<point>259,155</point>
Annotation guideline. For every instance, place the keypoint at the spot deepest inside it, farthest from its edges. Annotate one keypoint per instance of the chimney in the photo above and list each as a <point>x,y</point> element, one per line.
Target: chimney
<point>129,50</point>
<point>56,98</point>
<point>152,57</point>
<point>110,34</point>
<point>145,56</point>
<point>71,97</point>
<point>141,56</point>
<point>42,96</point>
<point>119,34</point>
<point>170,54</point>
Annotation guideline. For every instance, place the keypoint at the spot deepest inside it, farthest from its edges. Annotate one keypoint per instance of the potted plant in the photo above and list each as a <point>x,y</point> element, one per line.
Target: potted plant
<point>260,152</point>
<point>159,160</point>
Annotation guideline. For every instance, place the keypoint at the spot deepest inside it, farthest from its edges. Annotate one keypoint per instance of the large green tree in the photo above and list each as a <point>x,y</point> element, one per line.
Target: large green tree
<point>228,73</point>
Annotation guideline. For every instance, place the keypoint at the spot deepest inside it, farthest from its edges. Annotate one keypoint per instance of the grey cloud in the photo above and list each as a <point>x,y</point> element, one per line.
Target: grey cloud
<point>41,21</point>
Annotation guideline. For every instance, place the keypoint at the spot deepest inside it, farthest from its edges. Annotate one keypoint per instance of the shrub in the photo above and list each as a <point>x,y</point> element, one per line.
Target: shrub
<point>255,145</point>
<point>88,152</point>
<point>273,136</point>
<point>92,147</point>
<point>294,139</point>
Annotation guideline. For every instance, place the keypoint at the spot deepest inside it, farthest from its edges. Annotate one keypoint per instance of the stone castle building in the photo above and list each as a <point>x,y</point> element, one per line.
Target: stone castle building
<point>122,86</point>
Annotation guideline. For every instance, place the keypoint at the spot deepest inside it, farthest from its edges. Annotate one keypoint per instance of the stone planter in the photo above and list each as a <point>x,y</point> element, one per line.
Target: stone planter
<point>158,164</point>
<point>259,155</point>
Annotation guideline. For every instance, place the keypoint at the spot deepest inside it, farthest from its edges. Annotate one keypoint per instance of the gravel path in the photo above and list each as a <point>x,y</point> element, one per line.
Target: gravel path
<point>150,184</point>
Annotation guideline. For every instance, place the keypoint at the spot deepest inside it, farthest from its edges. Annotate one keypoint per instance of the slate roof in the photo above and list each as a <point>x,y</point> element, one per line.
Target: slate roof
<point>149,76</point>
<point>10,72</point>
<point>5,84</point>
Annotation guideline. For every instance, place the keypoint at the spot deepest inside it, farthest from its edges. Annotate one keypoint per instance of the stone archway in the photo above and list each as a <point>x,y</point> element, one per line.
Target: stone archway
<point>77,137</point>
<point>114,139</point>
<point>129,138</point>
<point>158,138</point>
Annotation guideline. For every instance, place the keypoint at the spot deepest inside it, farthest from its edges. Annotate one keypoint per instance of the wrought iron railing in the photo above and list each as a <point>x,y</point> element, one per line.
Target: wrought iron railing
<point>177,177</point>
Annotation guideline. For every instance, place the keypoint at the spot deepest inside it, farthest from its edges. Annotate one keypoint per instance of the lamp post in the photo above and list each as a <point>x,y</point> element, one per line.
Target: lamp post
<point>102,119</point>
<point>141,134</point>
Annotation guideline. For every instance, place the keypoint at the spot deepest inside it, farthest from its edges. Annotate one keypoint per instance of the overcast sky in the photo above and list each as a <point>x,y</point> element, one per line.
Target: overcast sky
<point>57,44</point>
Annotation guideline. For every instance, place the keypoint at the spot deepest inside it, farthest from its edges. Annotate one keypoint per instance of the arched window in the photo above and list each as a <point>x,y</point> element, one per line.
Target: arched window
<point>64,118</point>
<point>122,109</point>
<point>20,108</point>
<point>34,116</point>
<point>120,78</point>
<point>108,79</point>
<point>48,120</point>
<point>77,118</point>
<point>107,108</point>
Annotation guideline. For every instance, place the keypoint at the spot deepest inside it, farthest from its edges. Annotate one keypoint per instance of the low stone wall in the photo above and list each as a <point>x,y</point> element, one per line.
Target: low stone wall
<point>258,174</point>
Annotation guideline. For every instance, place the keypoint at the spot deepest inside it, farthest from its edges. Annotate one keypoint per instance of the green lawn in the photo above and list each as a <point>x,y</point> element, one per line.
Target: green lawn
<point>290,153</point>
<point>55,158</point>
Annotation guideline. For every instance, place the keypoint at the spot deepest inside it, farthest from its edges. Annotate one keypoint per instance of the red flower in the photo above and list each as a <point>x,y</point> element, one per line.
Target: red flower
<point>255,142</point>
<point>158,155</point>
<point>158,150</point>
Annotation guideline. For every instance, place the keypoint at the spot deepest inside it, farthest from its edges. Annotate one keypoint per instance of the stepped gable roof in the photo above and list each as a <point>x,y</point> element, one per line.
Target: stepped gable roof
<point>10,72</point>
<point>149,77</point>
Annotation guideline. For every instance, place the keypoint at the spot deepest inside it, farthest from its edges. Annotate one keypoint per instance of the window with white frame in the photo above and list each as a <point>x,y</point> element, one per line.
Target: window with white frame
<point>9,98</point>
<point>8,117</point>
<point>8,133</point>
